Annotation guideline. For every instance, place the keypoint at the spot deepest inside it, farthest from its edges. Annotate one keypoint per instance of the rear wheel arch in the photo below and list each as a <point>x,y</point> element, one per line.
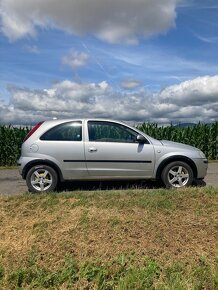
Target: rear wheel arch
<point>36,162</point>
<point>167,161</point>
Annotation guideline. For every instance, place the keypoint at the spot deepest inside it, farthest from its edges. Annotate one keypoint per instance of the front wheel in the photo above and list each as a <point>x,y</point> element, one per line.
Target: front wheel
<point>41,178</point>
<point>177,174</point>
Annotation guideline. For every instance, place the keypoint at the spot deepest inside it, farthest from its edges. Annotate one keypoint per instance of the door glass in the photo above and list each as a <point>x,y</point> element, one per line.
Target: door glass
<point>71,131</point>
<point>100,131</point>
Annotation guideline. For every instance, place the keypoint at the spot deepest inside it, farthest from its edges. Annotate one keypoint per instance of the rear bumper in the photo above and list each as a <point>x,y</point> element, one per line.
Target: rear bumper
<point>21,163</point>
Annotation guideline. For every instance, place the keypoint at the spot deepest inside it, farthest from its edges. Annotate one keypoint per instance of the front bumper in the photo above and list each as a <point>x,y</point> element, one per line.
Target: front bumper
<point>201,165</point>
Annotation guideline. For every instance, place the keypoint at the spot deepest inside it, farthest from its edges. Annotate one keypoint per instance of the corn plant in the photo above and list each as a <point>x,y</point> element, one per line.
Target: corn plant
<point>11,139</point>
<point>202,136</point>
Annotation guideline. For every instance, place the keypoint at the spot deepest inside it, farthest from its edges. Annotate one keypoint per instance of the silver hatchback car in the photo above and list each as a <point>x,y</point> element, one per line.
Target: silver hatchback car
<point>97,149</point>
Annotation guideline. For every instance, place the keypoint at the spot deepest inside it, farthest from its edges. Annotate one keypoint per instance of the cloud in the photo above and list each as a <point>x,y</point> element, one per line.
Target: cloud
<point>115,21</point>
<point>190,101</point>
<point>196,92</point>
<point>207,39</point>
<point>75,59</point>
<point>130,84</point>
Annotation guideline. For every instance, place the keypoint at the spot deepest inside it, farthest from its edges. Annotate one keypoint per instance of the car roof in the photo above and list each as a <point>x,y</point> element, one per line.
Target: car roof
<point>57,121</point>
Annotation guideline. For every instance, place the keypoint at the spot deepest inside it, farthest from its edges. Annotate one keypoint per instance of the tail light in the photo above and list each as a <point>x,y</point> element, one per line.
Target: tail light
<point>33,130</point>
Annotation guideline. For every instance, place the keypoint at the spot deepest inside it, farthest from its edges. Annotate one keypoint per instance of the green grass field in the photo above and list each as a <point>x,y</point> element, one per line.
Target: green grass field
<point>115,239</point>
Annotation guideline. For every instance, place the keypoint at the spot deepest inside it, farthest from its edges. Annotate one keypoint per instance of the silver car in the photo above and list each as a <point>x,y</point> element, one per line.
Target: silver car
<point>97,149</point>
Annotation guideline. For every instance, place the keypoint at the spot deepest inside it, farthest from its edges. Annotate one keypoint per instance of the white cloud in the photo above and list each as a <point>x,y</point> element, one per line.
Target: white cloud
<point>199,91</point>
<point>130,84</point>
<point>114,21</point>
<point>75,59</point>
<point>190,101</point>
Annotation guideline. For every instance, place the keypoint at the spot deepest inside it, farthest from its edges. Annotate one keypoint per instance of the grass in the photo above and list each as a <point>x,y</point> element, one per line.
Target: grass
<point>130,239</point>
<point>8,167</point>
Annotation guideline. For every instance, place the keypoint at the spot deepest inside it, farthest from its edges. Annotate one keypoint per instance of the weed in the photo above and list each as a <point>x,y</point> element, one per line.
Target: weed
<point>2,272</point>
<point>114,221</point>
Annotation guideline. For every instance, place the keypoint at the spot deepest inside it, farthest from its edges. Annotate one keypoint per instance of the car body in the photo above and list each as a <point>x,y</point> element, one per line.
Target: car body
<point>100,149</point>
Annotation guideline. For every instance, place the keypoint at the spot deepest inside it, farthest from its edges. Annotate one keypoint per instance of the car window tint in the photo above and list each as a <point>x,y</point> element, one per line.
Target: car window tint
<point>65,132</point>
<point>110,132</point>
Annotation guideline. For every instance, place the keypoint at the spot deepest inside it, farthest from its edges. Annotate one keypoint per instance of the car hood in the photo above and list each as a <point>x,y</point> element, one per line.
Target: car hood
<point>177,145</point>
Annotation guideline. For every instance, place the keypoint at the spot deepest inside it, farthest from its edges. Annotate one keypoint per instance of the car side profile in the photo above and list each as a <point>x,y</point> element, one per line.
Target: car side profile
<point>97,149</point>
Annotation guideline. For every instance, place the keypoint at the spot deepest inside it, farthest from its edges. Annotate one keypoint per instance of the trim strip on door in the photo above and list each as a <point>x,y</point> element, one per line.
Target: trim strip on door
<point>111,161</point>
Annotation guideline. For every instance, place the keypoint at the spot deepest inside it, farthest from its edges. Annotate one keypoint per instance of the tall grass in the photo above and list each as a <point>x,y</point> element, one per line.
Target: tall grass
<point>202,136</point>
<point>120,274</point>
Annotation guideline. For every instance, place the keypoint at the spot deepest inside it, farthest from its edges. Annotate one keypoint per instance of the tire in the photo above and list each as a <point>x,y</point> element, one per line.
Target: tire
<point>41,178</point>
<point>177,174</point>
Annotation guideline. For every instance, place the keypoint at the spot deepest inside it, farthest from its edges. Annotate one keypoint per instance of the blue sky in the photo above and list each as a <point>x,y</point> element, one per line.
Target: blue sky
<point>52,58</point>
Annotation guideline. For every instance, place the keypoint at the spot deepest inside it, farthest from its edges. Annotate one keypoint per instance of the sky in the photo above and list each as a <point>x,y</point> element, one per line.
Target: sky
<point>130,60</point>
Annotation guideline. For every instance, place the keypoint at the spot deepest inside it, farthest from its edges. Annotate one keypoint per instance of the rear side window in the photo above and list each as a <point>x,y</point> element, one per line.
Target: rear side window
<point>71,131</point>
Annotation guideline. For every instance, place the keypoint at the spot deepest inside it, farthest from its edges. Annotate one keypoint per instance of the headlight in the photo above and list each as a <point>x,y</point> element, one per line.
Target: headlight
<point>202,154</point>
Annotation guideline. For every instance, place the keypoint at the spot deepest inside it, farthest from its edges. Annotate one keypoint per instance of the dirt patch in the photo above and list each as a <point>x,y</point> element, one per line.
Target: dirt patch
<point>212,174</point>
<point>11,182</point>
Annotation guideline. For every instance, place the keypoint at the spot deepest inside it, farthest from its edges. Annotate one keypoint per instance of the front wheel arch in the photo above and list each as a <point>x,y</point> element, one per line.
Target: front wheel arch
<point>178,158</point>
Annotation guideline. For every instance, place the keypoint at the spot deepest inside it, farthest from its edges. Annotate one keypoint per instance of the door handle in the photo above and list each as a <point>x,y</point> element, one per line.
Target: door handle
<point>92,149</point>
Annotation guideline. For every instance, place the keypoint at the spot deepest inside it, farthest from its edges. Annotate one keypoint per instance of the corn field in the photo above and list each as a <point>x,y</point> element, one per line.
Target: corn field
<point>202,136</point>
<point>11,139</point>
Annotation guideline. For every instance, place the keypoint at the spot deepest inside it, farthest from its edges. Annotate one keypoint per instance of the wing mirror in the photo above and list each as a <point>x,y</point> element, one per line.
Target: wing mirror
<point>141,139</point>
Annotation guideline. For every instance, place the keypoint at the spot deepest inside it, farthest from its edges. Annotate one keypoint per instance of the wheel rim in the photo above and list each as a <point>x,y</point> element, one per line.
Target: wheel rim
<point>41,179</point>
<point>178,176</point>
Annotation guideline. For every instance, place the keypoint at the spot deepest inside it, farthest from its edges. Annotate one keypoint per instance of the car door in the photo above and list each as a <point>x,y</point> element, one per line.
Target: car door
<point>112,151</point>
<point>63,144</point>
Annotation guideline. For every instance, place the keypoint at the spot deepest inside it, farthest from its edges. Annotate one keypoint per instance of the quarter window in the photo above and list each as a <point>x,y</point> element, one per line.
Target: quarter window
<point>71,131</point>
<point>110,132</point>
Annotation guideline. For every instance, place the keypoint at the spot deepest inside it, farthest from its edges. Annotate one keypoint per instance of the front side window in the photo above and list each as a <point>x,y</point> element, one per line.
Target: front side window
<point>71,131</point>
<point>110,132</point>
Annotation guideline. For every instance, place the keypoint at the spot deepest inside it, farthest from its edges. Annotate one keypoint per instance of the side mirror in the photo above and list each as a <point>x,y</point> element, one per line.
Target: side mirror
<point>141,139</point>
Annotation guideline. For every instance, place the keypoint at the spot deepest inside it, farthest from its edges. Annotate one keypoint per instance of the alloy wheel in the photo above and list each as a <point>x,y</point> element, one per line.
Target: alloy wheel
<point>41,179</point>
<point>178,176</point>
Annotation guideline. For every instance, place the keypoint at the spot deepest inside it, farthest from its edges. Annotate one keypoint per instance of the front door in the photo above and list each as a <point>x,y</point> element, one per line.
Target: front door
<point>112,150</point>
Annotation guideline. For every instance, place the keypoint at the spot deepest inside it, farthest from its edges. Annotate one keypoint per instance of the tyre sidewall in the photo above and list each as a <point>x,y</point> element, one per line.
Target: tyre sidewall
<point>164,175</point>
<point>45,167</point>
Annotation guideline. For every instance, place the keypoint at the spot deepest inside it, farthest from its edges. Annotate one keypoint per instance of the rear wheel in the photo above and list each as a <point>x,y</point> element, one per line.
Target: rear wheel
<point>177,174</point>
<point>41,178</point>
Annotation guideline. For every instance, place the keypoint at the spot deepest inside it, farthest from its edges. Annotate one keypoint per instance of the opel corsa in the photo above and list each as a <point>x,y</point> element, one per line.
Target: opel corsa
<point>95,149</point>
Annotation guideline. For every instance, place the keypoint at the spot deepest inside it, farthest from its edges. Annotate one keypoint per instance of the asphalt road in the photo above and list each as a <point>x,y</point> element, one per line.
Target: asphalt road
<point>11,182</point>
